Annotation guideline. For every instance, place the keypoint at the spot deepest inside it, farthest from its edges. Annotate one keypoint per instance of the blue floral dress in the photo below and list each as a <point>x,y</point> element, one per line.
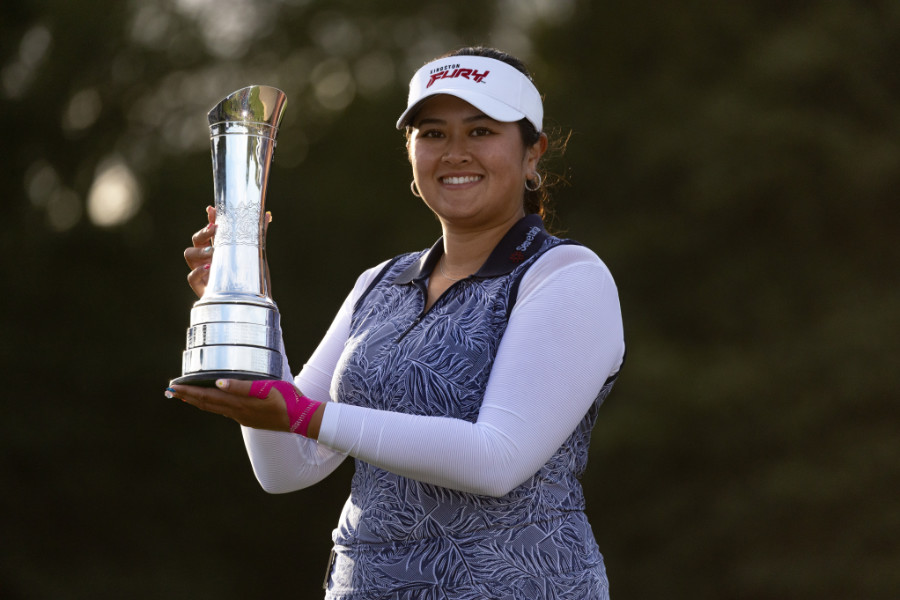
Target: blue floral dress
<point>403,539</point>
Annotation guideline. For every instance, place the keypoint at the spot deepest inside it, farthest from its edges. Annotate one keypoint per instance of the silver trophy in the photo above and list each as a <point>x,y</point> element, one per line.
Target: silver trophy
<point>235,327</point>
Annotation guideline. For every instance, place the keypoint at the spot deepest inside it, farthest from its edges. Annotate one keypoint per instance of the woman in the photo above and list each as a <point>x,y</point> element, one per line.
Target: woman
<point>464,379</point>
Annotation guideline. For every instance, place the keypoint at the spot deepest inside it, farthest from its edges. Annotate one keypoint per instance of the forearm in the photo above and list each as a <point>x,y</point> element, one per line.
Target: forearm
<point>449,452</point>
<point>286,462</point>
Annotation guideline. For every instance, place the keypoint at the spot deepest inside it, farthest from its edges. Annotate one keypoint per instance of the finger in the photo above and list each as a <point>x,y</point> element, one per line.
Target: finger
<point>211,214</point>
<point>197,257</point>
<point>237,387</point>
<point>270,413</point>
<point>207,399</point>
<point>205,236</point>
<point>198,279</point>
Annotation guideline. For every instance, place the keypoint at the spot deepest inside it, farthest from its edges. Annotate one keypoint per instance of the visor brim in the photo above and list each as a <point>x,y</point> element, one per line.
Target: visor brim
<point>493,108</point>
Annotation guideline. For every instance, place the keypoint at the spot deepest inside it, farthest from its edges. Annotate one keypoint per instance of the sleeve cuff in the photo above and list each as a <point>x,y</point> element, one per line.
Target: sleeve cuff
<point>328,428</point>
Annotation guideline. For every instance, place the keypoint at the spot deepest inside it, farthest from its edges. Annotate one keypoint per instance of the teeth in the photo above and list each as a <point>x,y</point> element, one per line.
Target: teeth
<point>459,180</point>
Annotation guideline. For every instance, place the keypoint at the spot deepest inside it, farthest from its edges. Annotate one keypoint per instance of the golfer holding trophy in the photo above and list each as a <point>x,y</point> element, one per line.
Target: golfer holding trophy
<point>463,379</point>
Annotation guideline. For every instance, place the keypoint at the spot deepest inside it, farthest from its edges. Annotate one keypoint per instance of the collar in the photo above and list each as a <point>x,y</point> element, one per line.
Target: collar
<point>520,243</point>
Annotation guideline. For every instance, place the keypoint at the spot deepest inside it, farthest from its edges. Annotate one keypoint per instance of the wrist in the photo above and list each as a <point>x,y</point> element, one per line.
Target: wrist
<point>300,409</point>
<point>315,422</point>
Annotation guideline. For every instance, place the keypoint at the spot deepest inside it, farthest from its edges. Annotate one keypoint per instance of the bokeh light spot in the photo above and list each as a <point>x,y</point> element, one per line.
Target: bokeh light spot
<point>115,195</point>
<point>64,209</point>
<point>82,110</point>
<point>333,84</point>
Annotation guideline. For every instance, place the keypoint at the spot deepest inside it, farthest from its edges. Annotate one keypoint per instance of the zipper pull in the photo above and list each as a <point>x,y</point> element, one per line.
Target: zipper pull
<point>410,328</point>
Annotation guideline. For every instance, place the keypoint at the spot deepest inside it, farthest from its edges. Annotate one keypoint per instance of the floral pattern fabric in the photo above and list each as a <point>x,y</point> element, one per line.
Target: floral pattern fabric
<point>399,538</point>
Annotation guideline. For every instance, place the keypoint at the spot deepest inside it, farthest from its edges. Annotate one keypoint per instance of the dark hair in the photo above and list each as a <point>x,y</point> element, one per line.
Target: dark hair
<point>536,201</point>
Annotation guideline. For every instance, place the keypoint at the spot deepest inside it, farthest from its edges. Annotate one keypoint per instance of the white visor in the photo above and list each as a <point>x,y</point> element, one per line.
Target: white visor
<point>499,90</point>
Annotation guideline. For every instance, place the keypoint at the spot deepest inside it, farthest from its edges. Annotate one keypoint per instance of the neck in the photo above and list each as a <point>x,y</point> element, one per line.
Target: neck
<point>466,250</point>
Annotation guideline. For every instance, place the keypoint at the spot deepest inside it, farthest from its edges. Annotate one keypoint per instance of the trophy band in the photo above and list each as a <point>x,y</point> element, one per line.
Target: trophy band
<point>235,327</point>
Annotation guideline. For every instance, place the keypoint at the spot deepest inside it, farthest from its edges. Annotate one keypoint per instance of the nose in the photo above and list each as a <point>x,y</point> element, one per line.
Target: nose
<point>456,151</point>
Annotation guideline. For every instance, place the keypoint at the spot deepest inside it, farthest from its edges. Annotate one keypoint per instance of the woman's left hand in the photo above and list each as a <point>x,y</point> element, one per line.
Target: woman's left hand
<point>231,398</point>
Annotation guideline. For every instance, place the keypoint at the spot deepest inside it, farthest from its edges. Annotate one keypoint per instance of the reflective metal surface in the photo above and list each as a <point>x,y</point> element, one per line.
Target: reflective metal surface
<point>235,326</point>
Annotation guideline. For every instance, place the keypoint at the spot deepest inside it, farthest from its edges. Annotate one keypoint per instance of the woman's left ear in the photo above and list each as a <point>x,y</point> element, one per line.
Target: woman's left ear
<point>544,142</point>
<point>536,151</point>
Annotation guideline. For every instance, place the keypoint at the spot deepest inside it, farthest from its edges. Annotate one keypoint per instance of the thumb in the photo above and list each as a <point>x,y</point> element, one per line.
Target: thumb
<point>235,386</point>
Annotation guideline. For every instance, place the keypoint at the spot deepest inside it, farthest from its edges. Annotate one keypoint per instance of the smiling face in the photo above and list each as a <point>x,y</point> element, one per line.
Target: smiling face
<point>469,168</point>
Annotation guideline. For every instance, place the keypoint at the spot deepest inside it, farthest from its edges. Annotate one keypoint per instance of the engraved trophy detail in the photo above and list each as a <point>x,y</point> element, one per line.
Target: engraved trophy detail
<point>235,328</point>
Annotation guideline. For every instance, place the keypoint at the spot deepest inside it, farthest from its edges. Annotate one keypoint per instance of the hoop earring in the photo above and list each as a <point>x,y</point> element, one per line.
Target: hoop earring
<point>414,189</point>
<point>534,186</point>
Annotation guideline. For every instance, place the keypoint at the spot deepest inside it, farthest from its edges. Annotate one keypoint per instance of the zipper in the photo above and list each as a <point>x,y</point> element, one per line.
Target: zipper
<point>410,328</point>
<point>424,313</point>
<point>424,292</point>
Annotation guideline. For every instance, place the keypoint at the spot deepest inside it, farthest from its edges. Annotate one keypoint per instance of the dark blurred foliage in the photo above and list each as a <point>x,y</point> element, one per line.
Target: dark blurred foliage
<point>735,164</point>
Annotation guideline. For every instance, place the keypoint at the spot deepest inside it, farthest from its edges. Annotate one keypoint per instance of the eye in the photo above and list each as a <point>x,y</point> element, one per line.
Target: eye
<point>430,133</point>
<point>481,131</point>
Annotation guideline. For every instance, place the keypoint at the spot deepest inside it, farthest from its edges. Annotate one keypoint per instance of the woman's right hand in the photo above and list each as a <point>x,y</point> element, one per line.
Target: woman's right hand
<point>199,255</point>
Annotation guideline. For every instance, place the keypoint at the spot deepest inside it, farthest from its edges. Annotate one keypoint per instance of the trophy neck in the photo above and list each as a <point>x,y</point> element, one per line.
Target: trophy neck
<point>243,128</point>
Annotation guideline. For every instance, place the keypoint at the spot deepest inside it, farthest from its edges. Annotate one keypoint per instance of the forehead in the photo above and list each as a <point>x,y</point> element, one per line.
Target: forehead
<point>446,107</point>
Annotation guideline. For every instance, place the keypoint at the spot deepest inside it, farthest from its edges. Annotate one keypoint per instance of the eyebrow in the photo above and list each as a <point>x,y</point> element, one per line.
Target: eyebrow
<point>436,121</point>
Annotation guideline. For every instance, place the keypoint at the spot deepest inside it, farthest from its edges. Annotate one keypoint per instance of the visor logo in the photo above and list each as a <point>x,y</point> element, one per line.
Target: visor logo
<point>471,74</point>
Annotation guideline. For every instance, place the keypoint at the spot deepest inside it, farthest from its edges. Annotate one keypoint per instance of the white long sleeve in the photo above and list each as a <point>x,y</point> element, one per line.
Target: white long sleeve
<point>564,339</point>
<point>286,462</point>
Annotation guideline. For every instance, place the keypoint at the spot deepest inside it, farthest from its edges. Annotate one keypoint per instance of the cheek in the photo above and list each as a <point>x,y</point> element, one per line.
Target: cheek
<point>412,158</point>
<point>509,158</point>
<point>512,166</point>
<point>420,158</point>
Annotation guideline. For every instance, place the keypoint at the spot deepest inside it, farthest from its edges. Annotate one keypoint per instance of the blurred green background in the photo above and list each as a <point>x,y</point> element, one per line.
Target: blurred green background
<point>736,164</point>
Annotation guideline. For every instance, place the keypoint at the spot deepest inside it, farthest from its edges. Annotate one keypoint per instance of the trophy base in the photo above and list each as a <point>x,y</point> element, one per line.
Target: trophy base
<point>208,378</point>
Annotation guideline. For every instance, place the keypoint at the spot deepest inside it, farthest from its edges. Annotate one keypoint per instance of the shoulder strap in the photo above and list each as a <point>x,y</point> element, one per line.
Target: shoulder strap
<point>375,281</point>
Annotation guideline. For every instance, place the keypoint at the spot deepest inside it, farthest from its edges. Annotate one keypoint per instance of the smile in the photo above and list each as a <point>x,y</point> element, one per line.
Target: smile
<point>460,180</point>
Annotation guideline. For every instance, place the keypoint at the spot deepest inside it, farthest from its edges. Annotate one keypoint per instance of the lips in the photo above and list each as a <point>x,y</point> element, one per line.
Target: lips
<point>461,180</point>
